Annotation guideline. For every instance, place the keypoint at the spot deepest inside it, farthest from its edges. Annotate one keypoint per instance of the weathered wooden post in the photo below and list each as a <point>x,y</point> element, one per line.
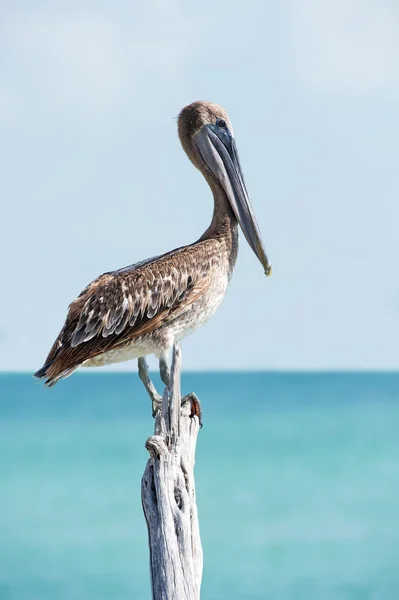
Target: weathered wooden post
<point>168,496</point>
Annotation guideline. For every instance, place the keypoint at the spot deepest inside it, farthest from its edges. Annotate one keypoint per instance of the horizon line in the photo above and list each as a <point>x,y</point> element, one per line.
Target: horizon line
<point>338,370</point>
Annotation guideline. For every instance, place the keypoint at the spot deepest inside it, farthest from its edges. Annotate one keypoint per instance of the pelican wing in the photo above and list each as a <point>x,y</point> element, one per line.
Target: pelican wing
<point>122,305</point>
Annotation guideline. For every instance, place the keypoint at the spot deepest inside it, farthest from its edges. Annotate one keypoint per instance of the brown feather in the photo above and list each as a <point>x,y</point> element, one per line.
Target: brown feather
<point>123,305</point>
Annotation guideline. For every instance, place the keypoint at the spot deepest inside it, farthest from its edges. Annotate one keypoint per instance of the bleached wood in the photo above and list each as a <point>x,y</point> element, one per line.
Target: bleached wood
<point>168,496</point>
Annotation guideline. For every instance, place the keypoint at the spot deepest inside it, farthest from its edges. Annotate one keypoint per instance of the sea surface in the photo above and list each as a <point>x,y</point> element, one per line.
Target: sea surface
<point>297,486</point>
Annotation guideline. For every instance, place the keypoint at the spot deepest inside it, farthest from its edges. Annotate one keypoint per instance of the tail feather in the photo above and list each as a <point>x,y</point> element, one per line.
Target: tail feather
<point>42,372</point>
<point>52,374</point>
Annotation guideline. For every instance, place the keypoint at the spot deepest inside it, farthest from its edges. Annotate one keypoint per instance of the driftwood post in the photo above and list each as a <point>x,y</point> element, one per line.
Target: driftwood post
<point>168,496</point>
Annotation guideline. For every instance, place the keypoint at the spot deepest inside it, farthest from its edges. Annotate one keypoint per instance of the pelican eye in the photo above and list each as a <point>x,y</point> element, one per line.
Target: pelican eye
<point>222,123</point>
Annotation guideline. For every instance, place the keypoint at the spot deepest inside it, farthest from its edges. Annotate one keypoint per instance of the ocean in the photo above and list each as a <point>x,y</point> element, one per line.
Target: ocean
<point>297,481</point>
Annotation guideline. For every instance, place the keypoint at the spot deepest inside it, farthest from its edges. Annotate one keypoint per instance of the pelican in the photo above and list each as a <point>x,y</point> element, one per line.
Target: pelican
<point>145,308</point>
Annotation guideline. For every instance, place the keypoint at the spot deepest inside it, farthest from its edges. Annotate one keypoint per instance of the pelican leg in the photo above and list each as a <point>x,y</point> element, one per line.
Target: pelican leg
<point>164,371</point>
<point>156,399</point>
<point>196,410</point>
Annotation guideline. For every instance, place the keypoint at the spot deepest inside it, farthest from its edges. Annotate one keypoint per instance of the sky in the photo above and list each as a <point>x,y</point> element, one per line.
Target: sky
<point>93,178</point>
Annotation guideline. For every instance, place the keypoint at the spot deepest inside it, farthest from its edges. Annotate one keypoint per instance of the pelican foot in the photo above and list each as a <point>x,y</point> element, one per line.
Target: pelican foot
<point>196,410</point>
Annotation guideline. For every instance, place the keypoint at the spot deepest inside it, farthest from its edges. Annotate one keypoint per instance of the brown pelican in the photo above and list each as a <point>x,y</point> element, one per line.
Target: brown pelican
<point>147,307</point>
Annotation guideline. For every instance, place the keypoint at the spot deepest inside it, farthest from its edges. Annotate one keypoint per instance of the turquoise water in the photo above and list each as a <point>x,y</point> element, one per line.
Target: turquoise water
<point>297,483</point>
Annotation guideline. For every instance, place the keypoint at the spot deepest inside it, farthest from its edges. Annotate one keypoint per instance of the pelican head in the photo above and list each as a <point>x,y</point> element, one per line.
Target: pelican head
<point>206,135</point>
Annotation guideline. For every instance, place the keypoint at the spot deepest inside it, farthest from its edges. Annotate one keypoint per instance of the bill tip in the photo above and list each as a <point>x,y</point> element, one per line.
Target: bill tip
<point>268,271</point>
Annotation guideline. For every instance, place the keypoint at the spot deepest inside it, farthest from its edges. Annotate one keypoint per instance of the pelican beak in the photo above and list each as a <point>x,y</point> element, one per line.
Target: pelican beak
<point>218,150</point>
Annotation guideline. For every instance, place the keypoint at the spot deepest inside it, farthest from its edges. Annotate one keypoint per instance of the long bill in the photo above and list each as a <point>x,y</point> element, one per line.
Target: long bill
<point>218,150</point>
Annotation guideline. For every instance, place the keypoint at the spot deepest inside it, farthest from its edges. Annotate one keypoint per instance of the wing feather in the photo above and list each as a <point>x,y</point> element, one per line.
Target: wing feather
<point>122,305</point>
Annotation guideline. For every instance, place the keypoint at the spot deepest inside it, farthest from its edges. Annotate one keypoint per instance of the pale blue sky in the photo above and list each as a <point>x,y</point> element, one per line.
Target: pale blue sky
<point>93,178</point>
